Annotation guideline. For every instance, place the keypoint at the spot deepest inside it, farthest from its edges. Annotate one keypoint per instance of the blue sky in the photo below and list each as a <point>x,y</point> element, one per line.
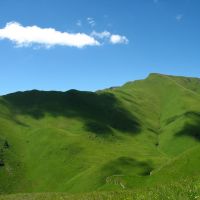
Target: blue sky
<point>153,36</point>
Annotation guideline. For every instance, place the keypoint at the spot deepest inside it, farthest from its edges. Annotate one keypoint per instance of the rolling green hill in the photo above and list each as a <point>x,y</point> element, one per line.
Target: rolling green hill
<point>143,134</point>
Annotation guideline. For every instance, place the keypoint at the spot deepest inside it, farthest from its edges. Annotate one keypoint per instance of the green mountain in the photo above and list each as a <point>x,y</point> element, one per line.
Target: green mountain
<point>143,134</point>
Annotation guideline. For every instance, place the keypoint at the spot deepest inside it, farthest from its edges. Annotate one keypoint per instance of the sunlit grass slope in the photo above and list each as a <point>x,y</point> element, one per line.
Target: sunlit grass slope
<point>176,191</point>
<point>143,134</point>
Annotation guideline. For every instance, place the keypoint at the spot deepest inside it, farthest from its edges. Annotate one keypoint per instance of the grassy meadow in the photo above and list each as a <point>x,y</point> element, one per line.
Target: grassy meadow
<point>137,141</point>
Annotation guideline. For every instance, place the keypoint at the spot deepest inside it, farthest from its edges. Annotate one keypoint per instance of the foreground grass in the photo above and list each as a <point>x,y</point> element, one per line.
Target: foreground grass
<point>185,190</point>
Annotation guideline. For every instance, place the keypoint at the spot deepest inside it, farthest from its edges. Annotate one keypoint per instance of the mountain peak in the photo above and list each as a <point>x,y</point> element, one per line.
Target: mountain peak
<point>156,75</point>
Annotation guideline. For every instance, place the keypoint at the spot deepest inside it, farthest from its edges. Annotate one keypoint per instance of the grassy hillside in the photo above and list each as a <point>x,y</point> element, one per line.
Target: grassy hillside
<point>140,135</point>
<point>174,191</point>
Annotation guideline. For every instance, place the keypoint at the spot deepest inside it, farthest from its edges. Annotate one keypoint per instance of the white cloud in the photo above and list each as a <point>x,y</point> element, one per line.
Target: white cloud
<point>101,35</point>
<point>26,36</point>
<point>118,39</point>
<point>113,39</point>
<point>91,21</point>
<point>79,23</point>
<point>179,17</point>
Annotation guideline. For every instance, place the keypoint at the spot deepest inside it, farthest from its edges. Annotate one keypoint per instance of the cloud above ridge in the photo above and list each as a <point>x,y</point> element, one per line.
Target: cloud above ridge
<point>113,39</point>
<point>118,39</point>
<point>24,36</point>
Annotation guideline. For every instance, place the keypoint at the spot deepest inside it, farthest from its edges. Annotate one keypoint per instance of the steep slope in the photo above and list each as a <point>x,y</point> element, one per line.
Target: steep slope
<point>115,138</point>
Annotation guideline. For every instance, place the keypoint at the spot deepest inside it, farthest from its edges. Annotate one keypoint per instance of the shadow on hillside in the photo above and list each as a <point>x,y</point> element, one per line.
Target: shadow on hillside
<point>10,116</point>
<point>127,166</point>
<point>191,129</point>
<point>100,112</point>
